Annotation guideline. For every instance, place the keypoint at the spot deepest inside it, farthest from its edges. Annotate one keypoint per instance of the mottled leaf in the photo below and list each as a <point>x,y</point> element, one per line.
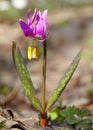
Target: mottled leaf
<point>25,77</point>
<point>67,76</point>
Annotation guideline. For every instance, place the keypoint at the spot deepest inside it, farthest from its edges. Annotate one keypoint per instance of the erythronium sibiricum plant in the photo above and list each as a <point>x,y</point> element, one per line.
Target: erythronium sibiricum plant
<point>35,28</point>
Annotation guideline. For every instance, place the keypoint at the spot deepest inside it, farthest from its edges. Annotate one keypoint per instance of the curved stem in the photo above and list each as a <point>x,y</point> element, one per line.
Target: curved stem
<point>44,75</point>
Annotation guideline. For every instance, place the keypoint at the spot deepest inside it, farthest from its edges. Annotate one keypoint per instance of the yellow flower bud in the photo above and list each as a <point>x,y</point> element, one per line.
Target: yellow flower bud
<point>33,53</point>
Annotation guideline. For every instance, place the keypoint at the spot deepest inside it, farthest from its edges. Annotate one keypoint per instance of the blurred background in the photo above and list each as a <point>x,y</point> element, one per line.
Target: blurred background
<point>71,28</point>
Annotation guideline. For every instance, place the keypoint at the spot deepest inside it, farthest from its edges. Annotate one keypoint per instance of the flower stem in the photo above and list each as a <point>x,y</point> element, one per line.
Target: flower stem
<point>44,75</point>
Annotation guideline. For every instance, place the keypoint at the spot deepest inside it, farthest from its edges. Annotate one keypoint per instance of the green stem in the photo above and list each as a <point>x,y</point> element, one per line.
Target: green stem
<point>44,75</point>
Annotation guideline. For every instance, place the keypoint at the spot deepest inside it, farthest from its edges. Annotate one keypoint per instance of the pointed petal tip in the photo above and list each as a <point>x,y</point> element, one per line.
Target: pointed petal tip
<point>28,13</point>
<point>45,12</point>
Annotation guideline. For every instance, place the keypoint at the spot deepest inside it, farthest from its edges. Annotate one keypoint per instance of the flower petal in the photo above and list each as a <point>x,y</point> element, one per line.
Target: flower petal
<point>34,16</point>
<point>38,17</point>
<point>44,15</point>
<point>40,30</point>
<point>28,17</point>
<point>26,29</point>
<point>28,14</point>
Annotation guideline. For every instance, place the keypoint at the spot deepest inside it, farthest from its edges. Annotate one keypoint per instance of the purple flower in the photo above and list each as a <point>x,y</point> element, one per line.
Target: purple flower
<point>35,27</point>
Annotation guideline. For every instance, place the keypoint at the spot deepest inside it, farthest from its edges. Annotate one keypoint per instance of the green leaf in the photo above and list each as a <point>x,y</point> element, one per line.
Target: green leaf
<point>25,78</point>
<point>2,125</point>
<point>69,114</point>
<point>67,76</point>
<point>84,124</point>
<point>83,112</point>
<point>54,114</point>
<point>68,111</point>
<point>76,117</point>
